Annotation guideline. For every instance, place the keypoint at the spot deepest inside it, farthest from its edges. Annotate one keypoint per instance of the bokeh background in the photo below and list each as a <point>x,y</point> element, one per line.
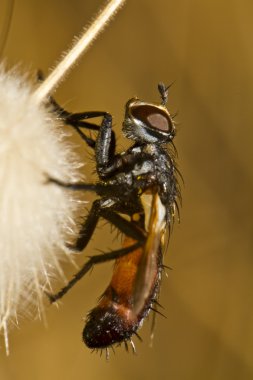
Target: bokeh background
<point>206,48</point>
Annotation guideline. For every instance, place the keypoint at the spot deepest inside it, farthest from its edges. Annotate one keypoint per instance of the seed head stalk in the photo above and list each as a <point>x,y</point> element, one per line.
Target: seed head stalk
<point>79,47</point>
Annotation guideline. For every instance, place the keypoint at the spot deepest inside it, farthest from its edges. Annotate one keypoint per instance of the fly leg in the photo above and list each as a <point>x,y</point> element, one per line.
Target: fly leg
<point>77,124</point>
<point>76,120</point>
<point>108,163</point>
<point>99,209</point>
<point>105,145</point>
<point>97,259</point>
<point>79,120</point>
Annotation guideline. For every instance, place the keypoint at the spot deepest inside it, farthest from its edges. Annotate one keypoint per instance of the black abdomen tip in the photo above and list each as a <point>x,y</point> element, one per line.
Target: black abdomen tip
<point>105,326</point>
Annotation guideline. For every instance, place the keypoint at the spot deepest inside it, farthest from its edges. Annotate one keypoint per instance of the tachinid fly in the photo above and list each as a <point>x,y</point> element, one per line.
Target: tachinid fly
<point>138,192</point>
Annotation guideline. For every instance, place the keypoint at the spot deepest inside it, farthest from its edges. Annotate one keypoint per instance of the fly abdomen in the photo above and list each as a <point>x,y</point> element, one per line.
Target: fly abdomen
<point>108,325</point>
<point>114,319</point>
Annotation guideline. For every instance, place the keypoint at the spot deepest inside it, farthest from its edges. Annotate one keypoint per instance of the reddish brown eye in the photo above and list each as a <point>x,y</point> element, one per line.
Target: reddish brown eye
<point>153,117</point>
<point>158,121</point>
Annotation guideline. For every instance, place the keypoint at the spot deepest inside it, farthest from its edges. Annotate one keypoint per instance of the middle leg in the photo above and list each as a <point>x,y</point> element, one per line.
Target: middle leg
<point>98,210</point>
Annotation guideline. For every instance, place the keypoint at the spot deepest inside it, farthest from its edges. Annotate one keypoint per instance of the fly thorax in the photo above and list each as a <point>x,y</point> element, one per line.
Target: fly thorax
<point>143,168</point>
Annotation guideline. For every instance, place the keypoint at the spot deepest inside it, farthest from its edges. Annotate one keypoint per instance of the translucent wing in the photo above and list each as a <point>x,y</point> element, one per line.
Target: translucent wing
<point>148,273</point>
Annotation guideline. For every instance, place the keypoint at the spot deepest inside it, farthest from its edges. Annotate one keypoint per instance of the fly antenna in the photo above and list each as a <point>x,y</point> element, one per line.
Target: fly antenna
<point>164,92</point>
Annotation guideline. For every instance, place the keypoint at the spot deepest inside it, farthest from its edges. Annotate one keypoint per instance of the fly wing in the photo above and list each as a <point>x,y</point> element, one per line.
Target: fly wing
<point>148,268</point>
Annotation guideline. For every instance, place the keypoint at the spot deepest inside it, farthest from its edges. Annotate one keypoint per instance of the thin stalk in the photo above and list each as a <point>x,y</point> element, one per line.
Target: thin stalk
<point>79,47</point>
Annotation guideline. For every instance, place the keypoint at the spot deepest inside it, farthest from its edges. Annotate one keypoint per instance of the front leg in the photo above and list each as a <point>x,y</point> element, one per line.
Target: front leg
<point>105,148</point>
<point>78,121</point>
<point>108,163</point>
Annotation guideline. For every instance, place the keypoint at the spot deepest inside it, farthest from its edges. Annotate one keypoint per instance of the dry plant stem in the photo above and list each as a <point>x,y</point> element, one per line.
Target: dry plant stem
<point>79,47</point>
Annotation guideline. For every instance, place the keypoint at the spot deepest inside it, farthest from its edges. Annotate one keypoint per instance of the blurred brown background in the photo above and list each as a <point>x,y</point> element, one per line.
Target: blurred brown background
<point>206,47</point>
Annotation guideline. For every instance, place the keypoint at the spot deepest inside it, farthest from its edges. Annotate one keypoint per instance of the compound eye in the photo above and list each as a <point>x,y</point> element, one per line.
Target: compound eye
<point>153,117</point>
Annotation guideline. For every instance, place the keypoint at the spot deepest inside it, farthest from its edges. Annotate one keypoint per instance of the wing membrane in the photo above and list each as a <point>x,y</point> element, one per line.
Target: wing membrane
<point>149,268</point>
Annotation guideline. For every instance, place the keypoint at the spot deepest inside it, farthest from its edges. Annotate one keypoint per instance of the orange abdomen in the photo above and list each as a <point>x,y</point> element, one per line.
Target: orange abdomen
<point>114,320</point>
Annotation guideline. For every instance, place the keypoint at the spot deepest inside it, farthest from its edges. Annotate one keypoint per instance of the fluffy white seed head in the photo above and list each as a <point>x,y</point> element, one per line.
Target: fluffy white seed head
<point>35,217</point>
